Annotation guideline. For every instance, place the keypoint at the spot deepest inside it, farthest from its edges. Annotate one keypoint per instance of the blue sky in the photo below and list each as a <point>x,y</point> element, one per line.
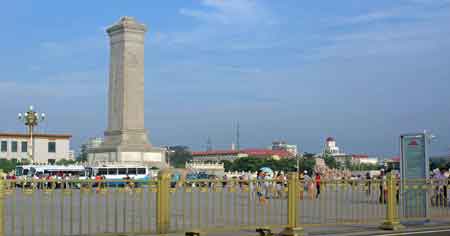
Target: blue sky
<point>361,71</point>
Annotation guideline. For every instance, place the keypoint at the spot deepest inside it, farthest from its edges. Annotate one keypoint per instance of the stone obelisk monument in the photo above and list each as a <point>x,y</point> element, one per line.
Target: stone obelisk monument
<point>126,138</point>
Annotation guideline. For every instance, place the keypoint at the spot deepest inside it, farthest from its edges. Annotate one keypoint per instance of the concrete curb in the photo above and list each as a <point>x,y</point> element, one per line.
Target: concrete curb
<point>376,232</point>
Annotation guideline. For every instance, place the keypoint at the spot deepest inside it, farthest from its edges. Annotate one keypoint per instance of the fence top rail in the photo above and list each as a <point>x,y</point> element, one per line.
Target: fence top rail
<point>235,181</point>
<point>79,181</point>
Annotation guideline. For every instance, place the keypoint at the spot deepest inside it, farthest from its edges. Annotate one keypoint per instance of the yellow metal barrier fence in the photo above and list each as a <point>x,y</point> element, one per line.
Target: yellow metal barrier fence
<point>54,207</point>
<point>107,207</point>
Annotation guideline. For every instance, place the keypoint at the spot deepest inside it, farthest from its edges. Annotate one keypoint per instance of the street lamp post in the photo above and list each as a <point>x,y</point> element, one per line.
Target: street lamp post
<point>31,119</point>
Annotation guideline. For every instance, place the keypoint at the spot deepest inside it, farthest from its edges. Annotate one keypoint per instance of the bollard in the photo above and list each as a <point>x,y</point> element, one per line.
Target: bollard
<point>392,221</point>
<point>162,202</point>
<point>293,190</point>
<point>2,202</point>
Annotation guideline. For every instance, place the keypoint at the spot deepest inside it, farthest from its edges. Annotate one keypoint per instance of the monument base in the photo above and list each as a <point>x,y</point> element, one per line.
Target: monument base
<point>151,157</point>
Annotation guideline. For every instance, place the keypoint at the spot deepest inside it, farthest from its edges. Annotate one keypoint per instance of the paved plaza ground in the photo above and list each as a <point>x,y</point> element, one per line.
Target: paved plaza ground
<point>76,212</point>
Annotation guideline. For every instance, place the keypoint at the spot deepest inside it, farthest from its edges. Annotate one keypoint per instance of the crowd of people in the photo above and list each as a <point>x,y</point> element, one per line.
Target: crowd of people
<point>61,180</point>
<point>49,180</point>
<point>264,185</point>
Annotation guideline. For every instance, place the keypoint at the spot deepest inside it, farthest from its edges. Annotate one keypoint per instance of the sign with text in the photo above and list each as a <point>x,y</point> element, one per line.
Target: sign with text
<point>414,172</point>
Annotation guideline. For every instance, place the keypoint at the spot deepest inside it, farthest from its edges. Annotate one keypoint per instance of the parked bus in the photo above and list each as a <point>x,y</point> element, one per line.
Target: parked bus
<point>23,170</point>
<point>118,172</point>
<point>57,170</point>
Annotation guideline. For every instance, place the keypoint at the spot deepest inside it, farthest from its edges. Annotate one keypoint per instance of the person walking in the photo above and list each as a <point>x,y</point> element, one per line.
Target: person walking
<point>251,186</point>
<point>261,192</point>
<point>382,198</point>
<point>224,181</point>
<point>98,179</point>
<point>308,184</point>
<point>368,184</point>
<point>301,179</point>
<point>280,184</point>
<point>318,182</point>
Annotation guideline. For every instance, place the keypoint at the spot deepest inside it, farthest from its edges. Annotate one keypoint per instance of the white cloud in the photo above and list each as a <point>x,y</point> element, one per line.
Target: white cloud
<point>69,48</point>
<point>223,21</point>
<point>387,41</point>
<point>416,10</point>
<point>230,12</point>
<point>428,2</point>
<point>370,17</point>
<point>403,30</point>
<point>237,68</point>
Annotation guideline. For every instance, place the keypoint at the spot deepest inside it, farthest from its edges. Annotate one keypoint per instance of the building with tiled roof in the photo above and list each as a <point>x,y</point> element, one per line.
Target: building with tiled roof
<point>48,148</point>
<point>231,155</point>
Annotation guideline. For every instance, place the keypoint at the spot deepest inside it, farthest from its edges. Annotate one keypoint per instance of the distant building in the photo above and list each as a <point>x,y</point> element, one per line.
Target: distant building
<point>71,154</point>
<point>355,159</point>
<point>48,148</point>
<point>178,148</point>
<point>330,146</point>
<point>214,168</point>
<point>392,163</point>
<point>94,142</point>
<point>231,155</point>
<point>342,158</point>
<point>217,155</point>
<point>364,159</point>
<point>282,145</point>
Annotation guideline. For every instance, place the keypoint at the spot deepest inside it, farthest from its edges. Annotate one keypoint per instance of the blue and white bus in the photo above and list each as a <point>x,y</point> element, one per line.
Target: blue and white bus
<point>119,172</point>
<point>23,170</point>
<point>57,170</point>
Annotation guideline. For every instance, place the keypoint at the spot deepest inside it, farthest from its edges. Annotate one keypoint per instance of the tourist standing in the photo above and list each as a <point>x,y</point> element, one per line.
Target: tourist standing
<point>382,198</point>
<point>225,180</point>
<point>309,184</point>
<point>301,179</point>
<point>280,184</point>
<point>318,181</point>
<point>368,184</point>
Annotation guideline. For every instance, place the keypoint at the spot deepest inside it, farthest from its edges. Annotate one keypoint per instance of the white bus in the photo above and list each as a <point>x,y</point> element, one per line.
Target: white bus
<point>119,172</point>
<point>56,170</point>
<point>23,170</point>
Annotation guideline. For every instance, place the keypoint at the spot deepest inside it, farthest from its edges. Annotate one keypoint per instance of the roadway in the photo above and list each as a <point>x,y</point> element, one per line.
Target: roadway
<point>441,232</point>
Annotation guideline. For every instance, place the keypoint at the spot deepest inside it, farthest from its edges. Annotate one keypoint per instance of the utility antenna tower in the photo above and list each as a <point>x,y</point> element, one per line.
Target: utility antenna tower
<point>208,144</point>
<point>237,137</point>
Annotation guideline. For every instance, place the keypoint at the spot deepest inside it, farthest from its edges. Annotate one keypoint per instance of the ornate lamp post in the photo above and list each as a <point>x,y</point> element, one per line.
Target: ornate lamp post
<point>31,119</point>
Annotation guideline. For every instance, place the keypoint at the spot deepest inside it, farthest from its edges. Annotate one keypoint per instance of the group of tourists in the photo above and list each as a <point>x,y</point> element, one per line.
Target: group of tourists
<point>62,180</point>
<point>44,181</point>
<point>264,185</point>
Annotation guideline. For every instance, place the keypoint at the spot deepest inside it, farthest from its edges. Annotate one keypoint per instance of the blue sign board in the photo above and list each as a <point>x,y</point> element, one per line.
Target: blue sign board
<point>414,172</point>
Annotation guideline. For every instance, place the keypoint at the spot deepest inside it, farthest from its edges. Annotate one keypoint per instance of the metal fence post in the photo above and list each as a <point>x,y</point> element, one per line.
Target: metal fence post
<point>162,202</point>
<point>293,192</point>
<point>2,204</point>
<point>392,221</point>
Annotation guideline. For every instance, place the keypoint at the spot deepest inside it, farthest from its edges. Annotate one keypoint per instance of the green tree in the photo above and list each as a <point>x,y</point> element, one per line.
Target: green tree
<point>248,164</point>
<point>10,165</point>
<point>83,155</point>
<point>228,165</point>
<point>308,155</point>
<point>179,155</point>
<point>439,163</point>
<point>348,163</point>
<point>7,165</point>
<point>255,163</point>
<point>330,161</point>
<point>65,162</point>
